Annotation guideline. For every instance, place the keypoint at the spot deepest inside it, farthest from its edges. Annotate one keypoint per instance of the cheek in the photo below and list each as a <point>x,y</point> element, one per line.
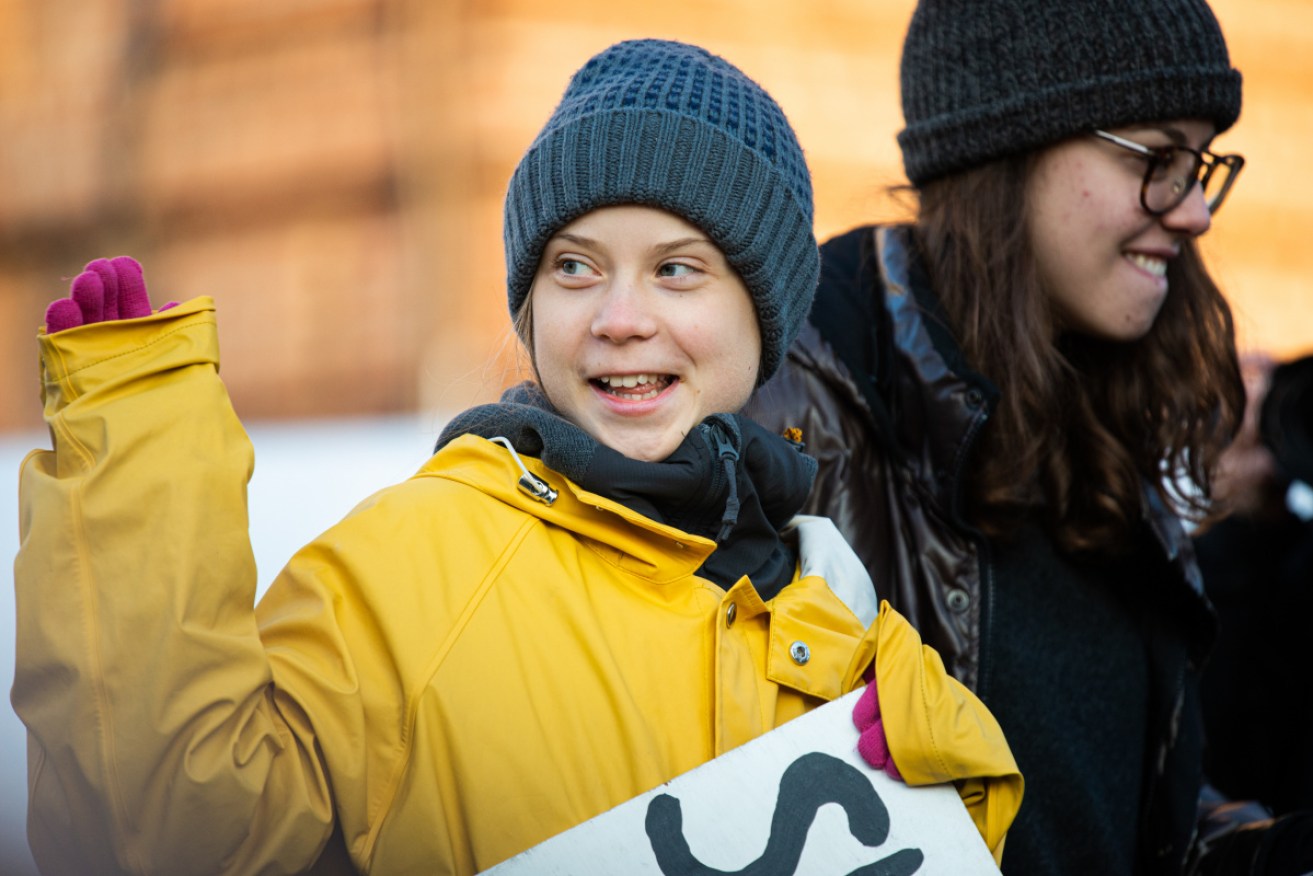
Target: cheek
<point>552,348</point>
<point>740,362</point>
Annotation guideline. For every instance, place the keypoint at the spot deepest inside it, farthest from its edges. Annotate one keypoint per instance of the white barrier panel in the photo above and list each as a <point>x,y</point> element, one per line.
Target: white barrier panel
<point>799,799</point>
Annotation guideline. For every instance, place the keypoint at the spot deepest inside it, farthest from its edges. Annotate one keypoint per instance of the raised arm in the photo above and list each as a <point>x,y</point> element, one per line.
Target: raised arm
<point>157,740</point>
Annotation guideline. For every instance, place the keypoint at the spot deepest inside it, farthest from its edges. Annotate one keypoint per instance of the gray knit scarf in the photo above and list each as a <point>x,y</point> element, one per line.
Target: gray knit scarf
<point>708,486</point>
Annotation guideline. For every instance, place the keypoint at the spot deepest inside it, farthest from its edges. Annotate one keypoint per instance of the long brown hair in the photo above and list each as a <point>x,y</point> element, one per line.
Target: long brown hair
<point>1081,422</point>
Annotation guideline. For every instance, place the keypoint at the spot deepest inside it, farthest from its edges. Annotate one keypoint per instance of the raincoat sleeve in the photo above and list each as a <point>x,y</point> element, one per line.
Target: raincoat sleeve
<point>157,741</point>
<point>939,732</point>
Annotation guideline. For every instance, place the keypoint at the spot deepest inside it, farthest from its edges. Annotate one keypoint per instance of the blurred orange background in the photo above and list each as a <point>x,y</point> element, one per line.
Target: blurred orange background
<point>331,171</point>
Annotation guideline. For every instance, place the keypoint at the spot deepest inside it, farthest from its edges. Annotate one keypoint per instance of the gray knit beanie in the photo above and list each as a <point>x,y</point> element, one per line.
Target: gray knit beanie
<point>983,79</point>
<point>669,125</point>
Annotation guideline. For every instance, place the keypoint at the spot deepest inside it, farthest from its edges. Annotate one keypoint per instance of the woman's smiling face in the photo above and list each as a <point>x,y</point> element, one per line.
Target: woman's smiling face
<point>641,329</point>
<point>1102,258</point>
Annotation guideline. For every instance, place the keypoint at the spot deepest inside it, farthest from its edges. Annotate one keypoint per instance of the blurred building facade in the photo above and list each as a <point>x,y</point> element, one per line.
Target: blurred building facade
<point>331,171</point>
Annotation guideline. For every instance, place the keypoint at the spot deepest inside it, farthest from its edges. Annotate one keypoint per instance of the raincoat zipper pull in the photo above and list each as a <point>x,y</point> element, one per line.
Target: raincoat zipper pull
<point>534,487</point>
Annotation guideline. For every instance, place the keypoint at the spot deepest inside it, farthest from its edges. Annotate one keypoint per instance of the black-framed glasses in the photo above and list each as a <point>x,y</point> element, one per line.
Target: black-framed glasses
<point>1173,170</point>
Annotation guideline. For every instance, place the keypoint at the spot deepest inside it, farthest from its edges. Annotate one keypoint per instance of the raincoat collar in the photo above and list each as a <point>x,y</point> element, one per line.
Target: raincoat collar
<point>707,487</point>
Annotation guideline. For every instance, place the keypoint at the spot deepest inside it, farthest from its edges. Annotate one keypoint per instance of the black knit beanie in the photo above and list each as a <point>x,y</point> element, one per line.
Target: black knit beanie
<point>983,79</point>
<point>670,125</point>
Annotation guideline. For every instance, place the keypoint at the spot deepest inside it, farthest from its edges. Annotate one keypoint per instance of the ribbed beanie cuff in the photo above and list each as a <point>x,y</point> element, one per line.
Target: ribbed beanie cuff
<point>984,79</point>
<point>671,126</point>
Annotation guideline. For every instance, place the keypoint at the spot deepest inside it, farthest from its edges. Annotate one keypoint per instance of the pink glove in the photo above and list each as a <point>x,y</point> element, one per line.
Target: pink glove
<point>107,289</point>
<point>872,744</point>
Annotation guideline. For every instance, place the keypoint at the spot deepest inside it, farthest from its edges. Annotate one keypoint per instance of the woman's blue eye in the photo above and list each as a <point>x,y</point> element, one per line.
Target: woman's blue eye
<point>572,267</point>
<point>675,269</point>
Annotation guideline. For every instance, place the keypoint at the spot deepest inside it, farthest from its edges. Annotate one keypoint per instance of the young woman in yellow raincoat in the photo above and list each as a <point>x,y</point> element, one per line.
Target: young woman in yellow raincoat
<point>592,586</point>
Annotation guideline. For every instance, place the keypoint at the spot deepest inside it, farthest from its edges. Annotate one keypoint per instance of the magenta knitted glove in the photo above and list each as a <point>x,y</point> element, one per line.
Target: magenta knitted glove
<point>872,744</point>
<point>107,289</point>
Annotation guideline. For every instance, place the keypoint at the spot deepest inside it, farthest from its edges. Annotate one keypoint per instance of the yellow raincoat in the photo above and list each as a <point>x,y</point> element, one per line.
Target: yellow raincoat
<point>453,673</point>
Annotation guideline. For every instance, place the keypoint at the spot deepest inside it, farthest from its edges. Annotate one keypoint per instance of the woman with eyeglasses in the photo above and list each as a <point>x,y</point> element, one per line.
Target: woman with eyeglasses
<point>1015,399</point>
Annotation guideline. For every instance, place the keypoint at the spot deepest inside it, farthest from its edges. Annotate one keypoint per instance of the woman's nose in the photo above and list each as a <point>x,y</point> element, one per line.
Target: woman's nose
<point>1191,216</point>
<point>624,312</point>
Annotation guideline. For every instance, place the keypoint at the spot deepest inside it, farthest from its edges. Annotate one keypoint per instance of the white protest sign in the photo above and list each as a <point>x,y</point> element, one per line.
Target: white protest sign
<point>799,799</point>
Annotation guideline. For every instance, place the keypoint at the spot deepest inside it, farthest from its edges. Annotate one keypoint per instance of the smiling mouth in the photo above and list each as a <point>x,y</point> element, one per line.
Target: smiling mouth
<point>1153,265</point>
<point>633,387</point>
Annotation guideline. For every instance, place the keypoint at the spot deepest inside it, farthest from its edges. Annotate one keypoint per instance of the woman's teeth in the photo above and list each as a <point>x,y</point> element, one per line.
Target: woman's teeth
<point>648,385</point>
<point>1148,264</point>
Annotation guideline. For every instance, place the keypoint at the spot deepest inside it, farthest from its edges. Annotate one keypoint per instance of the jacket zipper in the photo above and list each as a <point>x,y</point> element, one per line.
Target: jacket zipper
<point>728,455</point>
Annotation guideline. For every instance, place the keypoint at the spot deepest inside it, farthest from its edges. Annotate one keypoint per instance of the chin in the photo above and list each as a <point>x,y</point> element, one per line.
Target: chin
<point>1138,331</point>
<point>646,453</point>
<point>653,449</point>
<point>1124,332</point>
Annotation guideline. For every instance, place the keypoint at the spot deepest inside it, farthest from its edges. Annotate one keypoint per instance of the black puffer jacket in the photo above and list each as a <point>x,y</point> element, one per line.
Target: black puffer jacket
<point>891,411</point>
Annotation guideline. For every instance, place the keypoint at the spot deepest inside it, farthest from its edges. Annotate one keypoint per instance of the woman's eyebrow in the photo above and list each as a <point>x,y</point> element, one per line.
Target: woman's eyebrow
<point>1175,134</point>
<point>671,246</point>
<point>657,249</point>
<point>576,239</point>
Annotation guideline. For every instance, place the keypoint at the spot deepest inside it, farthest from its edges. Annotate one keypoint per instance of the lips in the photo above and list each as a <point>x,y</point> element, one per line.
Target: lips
<point>1151,264</point>
<point>633,387</point>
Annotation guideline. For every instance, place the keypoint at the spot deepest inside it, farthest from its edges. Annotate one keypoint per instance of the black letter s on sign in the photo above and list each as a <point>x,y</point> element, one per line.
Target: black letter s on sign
<point>809,783</point>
